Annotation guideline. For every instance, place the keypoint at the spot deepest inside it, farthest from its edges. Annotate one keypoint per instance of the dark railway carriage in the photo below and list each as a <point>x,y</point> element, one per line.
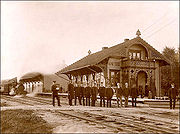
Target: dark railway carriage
<point>6,85</point>
<point>5,89</point>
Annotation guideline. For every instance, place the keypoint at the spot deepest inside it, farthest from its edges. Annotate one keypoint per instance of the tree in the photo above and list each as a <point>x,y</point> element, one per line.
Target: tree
<point>170,73</point>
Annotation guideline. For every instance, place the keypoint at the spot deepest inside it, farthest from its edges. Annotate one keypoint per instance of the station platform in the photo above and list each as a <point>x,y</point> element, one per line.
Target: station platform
<point>158,102</point>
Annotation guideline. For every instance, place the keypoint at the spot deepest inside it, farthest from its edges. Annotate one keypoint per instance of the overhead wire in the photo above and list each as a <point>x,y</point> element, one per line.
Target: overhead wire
<point>160,28</point>
<point>155,22</point>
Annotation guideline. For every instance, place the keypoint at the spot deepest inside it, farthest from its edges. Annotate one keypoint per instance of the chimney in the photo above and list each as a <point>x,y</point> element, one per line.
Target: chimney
<point>126,40</point>
<point>104,48</point>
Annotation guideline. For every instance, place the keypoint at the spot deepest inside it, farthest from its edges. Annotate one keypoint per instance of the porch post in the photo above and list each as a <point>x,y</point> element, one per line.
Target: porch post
<point>159,81</point>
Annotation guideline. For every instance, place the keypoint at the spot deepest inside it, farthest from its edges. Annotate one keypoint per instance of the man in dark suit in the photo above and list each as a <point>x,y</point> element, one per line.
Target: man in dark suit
<point>102,94</point>
<point>82,94</point>
<point>134,94</point>
<point>70,93</point>
<point>109,94</point>
<point>88,94</point>
<point>172,95</point>
<point>77,94</point>
<point>126,93</point>
<point>94,94</point>
<point>119,94</point>
<point>55,89</point>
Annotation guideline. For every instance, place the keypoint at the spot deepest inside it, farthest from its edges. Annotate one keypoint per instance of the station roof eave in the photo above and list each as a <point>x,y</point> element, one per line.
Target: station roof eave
<point>74,69</point>
<point>88,69</point>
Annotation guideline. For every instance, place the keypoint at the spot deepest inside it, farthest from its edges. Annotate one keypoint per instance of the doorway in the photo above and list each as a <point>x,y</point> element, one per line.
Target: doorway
<point>142,80</point>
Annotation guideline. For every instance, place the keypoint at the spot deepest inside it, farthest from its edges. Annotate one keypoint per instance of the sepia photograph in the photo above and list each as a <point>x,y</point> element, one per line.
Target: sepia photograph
<point>90,67</point>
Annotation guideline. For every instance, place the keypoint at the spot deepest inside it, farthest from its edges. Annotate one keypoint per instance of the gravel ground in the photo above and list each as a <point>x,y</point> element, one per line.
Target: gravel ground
<point>65,124</point>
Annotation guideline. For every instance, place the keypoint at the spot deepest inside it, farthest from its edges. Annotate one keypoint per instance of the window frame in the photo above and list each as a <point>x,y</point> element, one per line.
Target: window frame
<point>115,78</point>
<point>132,52</point>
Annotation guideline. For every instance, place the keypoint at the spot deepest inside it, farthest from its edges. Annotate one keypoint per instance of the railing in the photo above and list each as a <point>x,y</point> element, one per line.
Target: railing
<point>138,63</point>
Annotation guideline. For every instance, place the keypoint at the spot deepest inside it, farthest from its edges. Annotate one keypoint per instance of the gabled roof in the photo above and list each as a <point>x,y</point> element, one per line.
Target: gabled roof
<point>119,50</point>
<point>30,76</point>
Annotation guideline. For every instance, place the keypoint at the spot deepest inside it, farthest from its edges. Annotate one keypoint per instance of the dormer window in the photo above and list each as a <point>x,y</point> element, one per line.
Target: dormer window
<point>138,51</point>
<point>133,54</point>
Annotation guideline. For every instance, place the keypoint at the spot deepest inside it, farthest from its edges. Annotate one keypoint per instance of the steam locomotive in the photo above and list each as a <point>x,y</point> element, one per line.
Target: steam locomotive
<point>7,86</point>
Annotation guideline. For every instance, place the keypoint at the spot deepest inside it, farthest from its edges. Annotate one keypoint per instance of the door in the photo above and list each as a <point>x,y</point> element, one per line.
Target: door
<point>142,80</point>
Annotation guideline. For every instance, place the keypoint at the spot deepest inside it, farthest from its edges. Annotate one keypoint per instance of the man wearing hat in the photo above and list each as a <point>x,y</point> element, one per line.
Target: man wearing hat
<point>77,94</point>
<point>55,90</point>
<point>94,93</point>
<point>70,92</point>
<point>119,94</point>
<point>133,92</point>
<point>82,93</point>
<point>126,93</point>
<point>102,94</point>
<point>173,93</point>
<point>109,94</point>
<point>88,94</point>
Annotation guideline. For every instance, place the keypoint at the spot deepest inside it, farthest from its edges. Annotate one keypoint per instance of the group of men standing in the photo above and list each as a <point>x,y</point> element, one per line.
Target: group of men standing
<point>87,95</point>
<point>133,91</point>
<point>126,91</point>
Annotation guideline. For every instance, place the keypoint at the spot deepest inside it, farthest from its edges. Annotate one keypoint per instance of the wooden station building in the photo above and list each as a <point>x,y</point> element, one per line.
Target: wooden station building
<point>133,58</point>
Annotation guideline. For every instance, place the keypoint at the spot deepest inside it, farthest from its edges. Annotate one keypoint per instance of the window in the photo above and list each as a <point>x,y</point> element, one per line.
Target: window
<point>130,55</point>
<point>114,77</point>
<point>135,54</point>
<point>138,56</point>
<point>112,74</point>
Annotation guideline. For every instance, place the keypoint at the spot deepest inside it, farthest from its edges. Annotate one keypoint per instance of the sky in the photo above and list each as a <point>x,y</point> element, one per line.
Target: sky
<point>44,36</point>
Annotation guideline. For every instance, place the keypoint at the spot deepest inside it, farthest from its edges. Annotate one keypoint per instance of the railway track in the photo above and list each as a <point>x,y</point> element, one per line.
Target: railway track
<point>146,119</point>
<point>117,122</point>
<point>20,101</point>
<point>29,100</point>
<point>147,125</point>
<point>116,128</point>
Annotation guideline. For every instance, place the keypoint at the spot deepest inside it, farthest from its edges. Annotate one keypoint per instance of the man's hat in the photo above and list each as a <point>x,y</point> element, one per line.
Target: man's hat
<point>54,81</point>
